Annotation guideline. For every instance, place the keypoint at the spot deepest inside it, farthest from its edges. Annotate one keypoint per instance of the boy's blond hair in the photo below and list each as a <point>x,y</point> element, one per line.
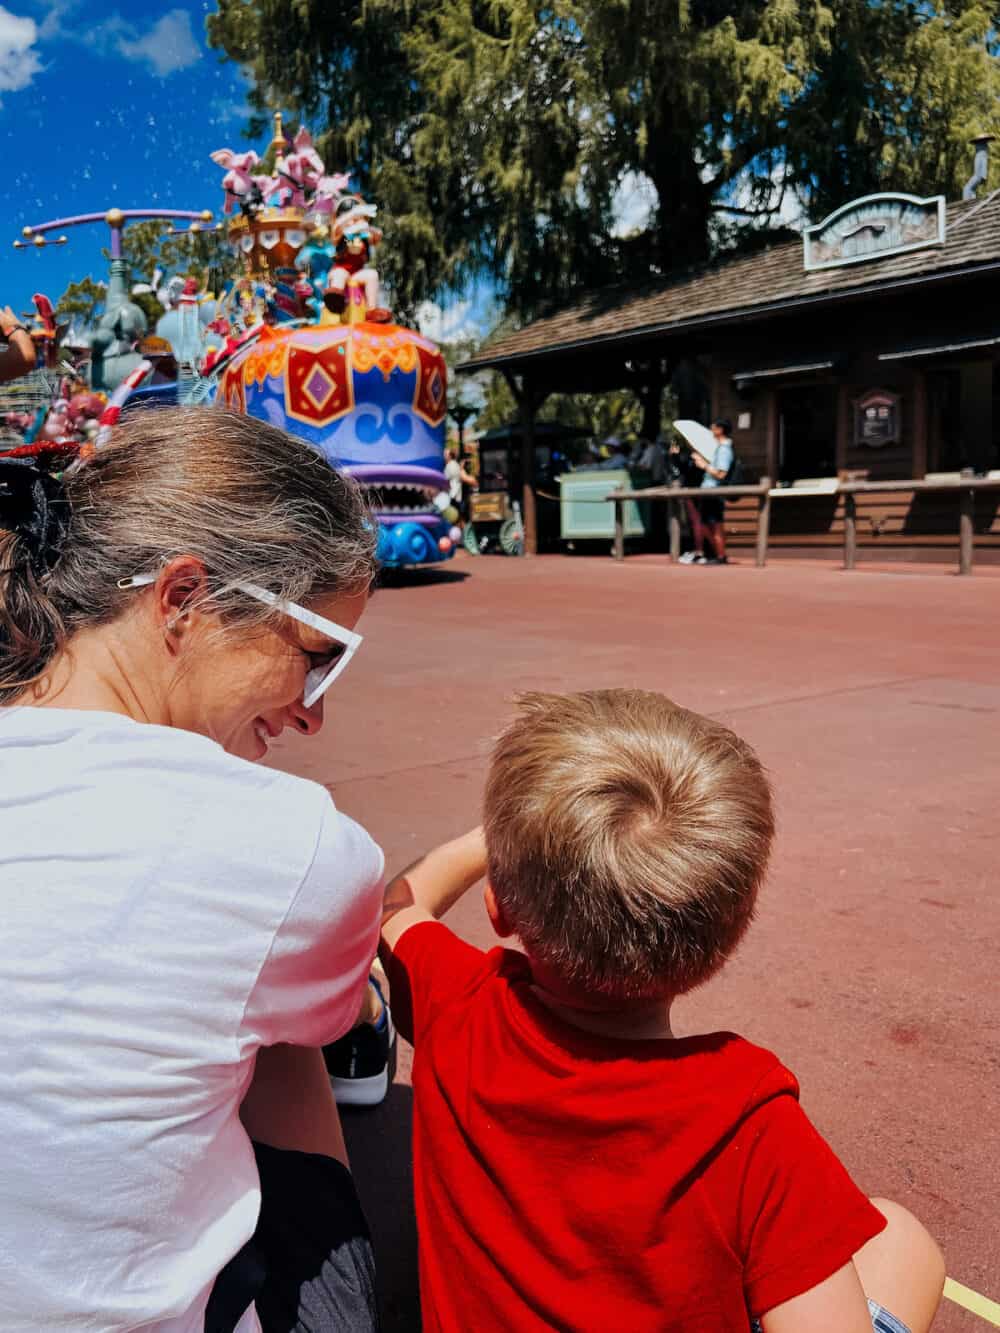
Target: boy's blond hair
<point>627,838</point>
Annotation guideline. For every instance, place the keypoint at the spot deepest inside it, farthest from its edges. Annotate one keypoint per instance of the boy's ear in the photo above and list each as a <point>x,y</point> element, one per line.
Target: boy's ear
<point>495,912</point>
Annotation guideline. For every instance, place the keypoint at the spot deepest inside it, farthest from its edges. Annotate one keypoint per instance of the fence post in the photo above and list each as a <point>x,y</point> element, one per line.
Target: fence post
<point>618,550</point>
<point>674,529</point>
<point>850,530</point>
<point>965,531</point>
<point>763,521</point>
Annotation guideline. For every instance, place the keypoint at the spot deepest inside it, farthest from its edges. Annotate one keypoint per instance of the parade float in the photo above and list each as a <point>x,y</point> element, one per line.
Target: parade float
<point>50,405</point>
<point>298,339</point>
<point>311,349</point>
<point>64,398</point>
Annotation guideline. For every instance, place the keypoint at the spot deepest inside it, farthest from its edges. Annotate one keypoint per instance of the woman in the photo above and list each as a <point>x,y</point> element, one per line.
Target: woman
<point>171,909</point>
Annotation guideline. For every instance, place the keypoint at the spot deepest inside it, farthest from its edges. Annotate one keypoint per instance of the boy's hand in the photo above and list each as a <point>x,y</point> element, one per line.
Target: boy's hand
<point>429,887</point>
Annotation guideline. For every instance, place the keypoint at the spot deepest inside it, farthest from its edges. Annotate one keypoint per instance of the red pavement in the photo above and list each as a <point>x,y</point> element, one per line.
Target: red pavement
<point>874,700</point>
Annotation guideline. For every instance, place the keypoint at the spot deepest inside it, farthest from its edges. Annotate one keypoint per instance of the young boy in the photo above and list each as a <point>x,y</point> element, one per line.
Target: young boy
<point>577,1167</point>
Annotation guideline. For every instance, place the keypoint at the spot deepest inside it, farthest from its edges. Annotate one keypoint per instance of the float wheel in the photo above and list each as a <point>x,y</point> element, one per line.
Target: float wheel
<point>470,541</point>
<point>511,538</point>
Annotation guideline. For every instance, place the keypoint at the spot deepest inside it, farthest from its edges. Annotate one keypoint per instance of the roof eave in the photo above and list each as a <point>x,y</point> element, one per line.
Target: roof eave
<point>739,314</point>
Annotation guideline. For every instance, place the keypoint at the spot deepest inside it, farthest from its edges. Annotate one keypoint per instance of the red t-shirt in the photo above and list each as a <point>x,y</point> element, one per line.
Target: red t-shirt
<point>573,1182</point>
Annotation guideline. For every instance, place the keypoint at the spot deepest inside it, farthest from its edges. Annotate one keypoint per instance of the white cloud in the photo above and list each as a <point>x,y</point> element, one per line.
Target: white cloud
<point>633,205</point>
<point>19,61</point>
<point>52,23</point>
<point>456,323</point>
<point>169,45</point>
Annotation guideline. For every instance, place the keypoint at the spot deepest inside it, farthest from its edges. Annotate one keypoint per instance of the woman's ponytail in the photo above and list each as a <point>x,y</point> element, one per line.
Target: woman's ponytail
<point>34,519</point>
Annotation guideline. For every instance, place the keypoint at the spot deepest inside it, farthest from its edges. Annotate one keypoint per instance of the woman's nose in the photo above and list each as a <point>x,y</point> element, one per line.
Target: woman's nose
<point>307,721</point>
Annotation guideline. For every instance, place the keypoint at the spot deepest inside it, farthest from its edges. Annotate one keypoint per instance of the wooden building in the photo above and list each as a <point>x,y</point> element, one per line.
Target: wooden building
<point>868,349</point>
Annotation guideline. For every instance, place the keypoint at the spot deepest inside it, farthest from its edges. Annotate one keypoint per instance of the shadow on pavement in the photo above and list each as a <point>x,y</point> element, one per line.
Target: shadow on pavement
<point>427,577</point>
<point>378,1141</point>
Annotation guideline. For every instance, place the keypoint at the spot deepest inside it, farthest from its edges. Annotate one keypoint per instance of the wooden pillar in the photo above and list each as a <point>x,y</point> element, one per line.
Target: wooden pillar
<point>618,550</point>
<point>763,522</point>
<point>529,511</point>
<point>965,531</point>
<point>918,445</point>
<point>651,397</point>
<point>529,399</point>
<point>850,531</point>
<point>771,418</point>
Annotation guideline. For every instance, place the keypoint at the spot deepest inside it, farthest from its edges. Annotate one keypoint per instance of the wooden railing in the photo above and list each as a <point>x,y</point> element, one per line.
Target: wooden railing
<point>965,488</point>
<point>674,494</point>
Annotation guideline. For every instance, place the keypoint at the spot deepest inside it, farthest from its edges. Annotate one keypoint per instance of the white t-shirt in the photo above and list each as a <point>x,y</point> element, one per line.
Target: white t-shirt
<point>167,910</point>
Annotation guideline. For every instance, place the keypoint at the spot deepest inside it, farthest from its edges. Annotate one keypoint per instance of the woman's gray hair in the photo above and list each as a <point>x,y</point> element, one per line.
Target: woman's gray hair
<point>252,503</point>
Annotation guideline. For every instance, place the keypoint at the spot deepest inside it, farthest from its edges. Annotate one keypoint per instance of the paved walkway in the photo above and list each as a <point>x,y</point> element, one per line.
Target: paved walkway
<point>874,699</point>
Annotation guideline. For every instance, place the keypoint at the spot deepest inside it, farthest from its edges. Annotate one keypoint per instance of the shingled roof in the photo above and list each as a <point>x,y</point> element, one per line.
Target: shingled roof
<point>751,286</point>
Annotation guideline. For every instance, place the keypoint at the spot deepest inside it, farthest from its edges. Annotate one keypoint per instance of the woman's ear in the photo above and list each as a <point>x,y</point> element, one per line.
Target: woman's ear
<point>496,914</point>
<point>179,587</point>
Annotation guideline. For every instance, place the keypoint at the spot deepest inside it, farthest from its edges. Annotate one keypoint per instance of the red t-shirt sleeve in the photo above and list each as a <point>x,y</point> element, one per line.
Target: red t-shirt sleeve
<point>800,1215</point>
<point>429,969</point>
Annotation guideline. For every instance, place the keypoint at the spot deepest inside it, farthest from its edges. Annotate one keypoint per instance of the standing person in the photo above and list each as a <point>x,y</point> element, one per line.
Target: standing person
<point>458,478</point>
<point>653,461</point>
<point>707,514</point>
<point>184,929</point>
<point>577,1166</point>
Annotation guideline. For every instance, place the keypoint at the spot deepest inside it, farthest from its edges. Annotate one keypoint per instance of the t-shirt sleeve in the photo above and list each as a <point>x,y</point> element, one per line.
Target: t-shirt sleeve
<point>429,969</point>
<point>308,991</point>
<point>801,1217</point>
<point>723,459</point>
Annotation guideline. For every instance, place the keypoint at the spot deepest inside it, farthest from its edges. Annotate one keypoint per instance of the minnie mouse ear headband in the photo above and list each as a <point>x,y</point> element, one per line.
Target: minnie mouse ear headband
<point>33,505</point>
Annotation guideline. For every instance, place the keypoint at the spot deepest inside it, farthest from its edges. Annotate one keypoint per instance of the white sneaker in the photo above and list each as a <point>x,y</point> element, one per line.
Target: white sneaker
<point>690,558</point>
<point>359,1063</point>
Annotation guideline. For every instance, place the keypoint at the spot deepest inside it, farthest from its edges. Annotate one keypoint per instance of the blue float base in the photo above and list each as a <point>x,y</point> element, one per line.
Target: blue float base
<point>413,541</point>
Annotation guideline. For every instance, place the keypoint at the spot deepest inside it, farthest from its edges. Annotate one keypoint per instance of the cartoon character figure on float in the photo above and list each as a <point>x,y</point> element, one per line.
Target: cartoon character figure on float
<point>329,363</point>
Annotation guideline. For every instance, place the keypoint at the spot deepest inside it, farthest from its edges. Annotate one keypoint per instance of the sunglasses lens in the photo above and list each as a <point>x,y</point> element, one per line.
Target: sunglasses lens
<point>314,680</point>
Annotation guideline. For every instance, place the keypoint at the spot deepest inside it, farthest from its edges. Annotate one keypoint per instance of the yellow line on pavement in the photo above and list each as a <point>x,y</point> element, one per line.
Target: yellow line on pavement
<point>972,1301</point>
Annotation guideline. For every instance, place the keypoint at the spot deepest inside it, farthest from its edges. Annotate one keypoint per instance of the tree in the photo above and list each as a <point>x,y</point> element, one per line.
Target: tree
<point>898,93</point>
<point>497,134</point>
<point>83,300</point>
<point>341,65</point>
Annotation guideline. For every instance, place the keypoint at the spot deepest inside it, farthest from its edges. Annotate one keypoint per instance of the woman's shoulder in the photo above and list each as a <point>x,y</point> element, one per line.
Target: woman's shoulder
<point>165,781</point>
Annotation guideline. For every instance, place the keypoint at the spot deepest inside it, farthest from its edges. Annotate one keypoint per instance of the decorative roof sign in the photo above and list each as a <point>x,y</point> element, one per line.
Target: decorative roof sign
<point>872,228</point>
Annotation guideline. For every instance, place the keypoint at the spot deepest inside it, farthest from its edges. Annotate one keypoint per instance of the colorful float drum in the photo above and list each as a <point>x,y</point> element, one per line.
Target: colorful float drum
<point>372,399</point>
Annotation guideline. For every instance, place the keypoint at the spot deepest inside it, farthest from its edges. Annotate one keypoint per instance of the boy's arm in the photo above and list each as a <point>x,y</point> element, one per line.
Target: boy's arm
<point>429,887</point>
<point>837,1305</point>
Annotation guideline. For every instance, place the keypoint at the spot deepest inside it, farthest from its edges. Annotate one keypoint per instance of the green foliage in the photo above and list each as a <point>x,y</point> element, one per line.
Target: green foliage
<point>494,134</point>
<point>898,93</point>
<point>596,416</point>
<point>340,64</point>
<point>148,246</point>
<point>83,300</point>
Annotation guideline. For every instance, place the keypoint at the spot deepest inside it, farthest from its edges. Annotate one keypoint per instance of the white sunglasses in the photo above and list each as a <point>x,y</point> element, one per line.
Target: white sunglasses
<point>320,678</point>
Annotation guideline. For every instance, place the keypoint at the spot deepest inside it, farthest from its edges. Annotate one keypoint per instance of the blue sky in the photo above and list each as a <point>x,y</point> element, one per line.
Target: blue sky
<point>105,105</point>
